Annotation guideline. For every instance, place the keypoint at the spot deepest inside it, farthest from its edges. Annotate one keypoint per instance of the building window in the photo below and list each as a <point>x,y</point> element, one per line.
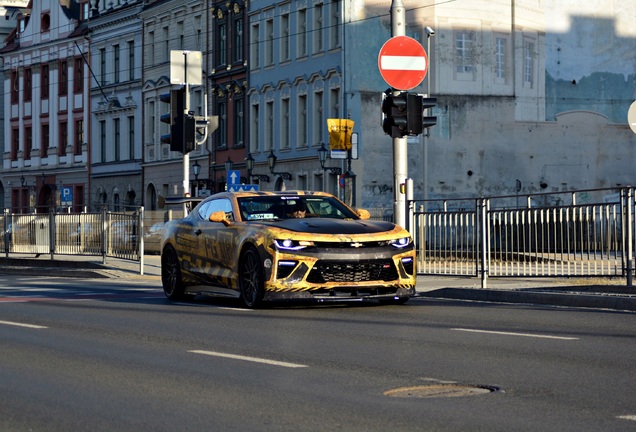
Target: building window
<point>131,60</point>
<point>166,44</point>
<point>302,33</point>
<point>180,34</point>
<point>222,130</point>
<point>528,64</point>
<point>239,123</point>
<point>255,133</point>
<point>284,38</point>
<point>238,39</point>
<point>44,81</point>
<point>317,115</point>
<point>302,121</point>
<point>102,66</point>
<point>269,125</point>
<point>269,42</point>
<point>464,42</point>
<point>222,44</point>
<point>28,142</point>
<point>151,48</point>
<point>318,29</point>
<point>334,99</point>
<point>45,25</point>
<point>131,137</point>
<point>102,140</point>
<point>63,139</point>
<point>255,59</point>
<point>116,63</point>
<point>15,143</point>
<point>44,145</point>
<point>117,139</point>
<point>84,10</point>
<point>15,87</point>
<point>78,75</point>
<point>334,25</point>
<point>79,137</point>
<point>28,84</point>
<point>285,126</point>
<point>500,59</point>
<point>63,77</point>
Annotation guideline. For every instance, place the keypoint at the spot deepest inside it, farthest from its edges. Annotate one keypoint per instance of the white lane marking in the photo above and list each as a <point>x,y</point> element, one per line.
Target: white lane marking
<point>251,359</point>
<point>627,417</point>
<point>33,326</point>
<point>516,334</point>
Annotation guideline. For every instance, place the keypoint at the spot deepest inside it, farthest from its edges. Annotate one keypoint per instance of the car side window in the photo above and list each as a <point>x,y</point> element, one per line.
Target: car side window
<point>221,204</point>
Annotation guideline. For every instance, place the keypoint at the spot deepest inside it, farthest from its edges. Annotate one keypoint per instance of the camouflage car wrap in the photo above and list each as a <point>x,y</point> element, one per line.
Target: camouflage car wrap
<point>321,258</point>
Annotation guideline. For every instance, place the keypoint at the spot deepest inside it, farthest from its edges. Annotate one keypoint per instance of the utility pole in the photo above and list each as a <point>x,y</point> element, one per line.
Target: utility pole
<point>400,156</point>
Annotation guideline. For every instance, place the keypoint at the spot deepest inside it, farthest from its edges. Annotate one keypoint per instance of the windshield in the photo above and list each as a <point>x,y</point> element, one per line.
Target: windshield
<point>292,206</point>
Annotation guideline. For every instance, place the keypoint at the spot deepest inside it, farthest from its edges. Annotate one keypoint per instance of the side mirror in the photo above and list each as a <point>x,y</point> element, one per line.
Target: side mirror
<point>364,214</point>
<point>221,217</point>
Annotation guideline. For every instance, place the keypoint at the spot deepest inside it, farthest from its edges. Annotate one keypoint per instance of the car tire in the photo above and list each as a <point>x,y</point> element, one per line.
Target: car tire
<point>171,279</point>
<point>251,279</point>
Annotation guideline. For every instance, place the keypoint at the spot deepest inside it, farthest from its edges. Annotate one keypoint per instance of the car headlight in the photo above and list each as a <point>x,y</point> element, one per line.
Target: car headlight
<point>292,244</point>
<point>401,242</point>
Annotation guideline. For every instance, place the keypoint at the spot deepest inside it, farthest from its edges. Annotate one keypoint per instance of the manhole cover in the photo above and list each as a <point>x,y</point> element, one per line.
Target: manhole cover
<point>439,391</point>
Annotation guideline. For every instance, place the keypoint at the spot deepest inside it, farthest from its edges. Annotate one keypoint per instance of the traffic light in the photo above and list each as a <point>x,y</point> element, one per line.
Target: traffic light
<point>417,107</point>
<point>189,131</point>
<point>394,114</point>
<point>175,118</point>
<point>428,104</point>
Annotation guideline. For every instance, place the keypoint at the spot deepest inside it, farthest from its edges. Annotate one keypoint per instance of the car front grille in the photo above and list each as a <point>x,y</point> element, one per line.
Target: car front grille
<point>361,271</point>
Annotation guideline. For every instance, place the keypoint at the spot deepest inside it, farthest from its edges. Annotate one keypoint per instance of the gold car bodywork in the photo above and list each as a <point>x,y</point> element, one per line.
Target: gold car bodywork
<point>210,254</point>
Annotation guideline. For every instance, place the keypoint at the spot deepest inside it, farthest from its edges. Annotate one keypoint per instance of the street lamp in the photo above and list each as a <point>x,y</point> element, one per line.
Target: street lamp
<point>322,155</point>
<point>249,164</point>
<point>229,164</point>
<point>271,161</point>
<point>196,169</point>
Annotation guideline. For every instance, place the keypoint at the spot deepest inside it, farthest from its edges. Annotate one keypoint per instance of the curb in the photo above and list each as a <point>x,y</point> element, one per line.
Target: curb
<point>598,301</point>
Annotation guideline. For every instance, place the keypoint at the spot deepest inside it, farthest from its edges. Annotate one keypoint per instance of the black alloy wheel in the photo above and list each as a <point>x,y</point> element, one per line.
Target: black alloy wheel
<point>251,278</point>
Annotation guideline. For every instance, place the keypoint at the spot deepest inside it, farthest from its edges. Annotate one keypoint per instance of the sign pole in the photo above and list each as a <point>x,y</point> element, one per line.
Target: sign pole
<point>186,156</point>
<point>400,156</point>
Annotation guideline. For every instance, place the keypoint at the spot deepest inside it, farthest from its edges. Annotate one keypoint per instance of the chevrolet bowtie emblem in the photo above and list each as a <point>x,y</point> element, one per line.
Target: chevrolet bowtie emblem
<point>356,245</point>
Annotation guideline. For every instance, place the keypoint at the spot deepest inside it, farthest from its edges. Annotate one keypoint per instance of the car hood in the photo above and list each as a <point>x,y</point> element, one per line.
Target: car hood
<point>333,226</point>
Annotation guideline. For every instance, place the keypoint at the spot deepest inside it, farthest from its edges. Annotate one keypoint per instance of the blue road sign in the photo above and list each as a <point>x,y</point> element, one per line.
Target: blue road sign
<point>242,188</point>
<point>66,195</point>
<point>233,177</point>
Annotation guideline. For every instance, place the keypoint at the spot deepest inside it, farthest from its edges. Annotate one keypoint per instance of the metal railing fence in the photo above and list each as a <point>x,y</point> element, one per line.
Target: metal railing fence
<point>594,238</point>
<point>105,234</point>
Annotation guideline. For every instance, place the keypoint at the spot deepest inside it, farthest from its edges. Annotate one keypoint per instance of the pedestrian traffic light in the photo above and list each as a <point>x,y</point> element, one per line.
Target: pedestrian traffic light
<point>175,118</point>
<point>417,108</point>
<point>394,114</point>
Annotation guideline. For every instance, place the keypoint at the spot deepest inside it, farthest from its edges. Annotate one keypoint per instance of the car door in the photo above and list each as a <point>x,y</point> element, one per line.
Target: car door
<point>218,242</point>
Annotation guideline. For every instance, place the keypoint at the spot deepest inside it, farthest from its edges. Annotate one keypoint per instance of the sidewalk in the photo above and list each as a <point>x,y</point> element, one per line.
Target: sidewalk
<point>598,293</point>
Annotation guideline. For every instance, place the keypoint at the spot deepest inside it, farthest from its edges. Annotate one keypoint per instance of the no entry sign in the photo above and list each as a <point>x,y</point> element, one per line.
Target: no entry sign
<point>402,62</point>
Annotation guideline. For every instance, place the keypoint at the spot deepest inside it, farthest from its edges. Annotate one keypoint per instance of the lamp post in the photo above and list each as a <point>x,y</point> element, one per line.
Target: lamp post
<point>429,34</point>
<point>249,164</point>
<point>229,165</point>
<point>271,161</point>
<point>322,155</point>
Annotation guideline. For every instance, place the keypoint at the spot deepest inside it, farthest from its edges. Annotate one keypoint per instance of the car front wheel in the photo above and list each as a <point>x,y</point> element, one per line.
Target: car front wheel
<point>171,280</point>
<point>251,278</point>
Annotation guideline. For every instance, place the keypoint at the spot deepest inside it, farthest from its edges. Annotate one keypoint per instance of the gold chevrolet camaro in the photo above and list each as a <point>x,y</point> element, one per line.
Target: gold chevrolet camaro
<point>266,246</point>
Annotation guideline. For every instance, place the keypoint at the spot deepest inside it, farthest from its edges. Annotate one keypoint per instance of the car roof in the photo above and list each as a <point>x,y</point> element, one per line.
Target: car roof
<point>269,193</point>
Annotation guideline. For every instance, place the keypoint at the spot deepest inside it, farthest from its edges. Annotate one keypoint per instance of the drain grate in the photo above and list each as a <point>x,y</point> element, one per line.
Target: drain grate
<point>440,391</point>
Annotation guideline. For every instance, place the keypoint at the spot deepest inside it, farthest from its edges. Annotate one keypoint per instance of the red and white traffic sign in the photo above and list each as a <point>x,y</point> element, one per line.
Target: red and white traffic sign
<point>403,62</point>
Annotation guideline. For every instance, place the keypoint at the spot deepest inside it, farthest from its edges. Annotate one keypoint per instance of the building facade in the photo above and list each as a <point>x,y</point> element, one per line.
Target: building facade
<point>116,105</point>
<point>47,108</point>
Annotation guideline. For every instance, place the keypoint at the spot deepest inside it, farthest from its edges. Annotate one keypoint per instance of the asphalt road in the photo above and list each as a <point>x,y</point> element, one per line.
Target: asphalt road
<point>115,355</point>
